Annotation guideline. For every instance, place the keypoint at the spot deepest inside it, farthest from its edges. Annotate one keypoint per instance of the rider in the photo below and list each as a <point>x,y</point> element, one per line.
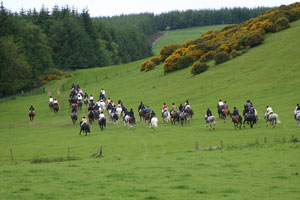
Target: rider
<point>79,97</point>
<point>249,104</point>
<point>51,99</point>
<point>220,104</point>
<point>31,108</point>
<point>152,115</point>
<point>86,96</point>
<point>91,98</point>
<point>120,103</point>
<point>235,112</point>
<point>141,107</point>
<point>73,86</point>
<point>181,108</point>
<point>55,102</point>
<point>101,115</point>
<point>269,111</point>
<point>165,108</point>
<point>131,114</point>
<point>187,104</point>
<point>83,121</point>
<point>208,112</point>
<point>74,110</point>
<point>225,105</point>
<point>297,110</point>
<point>147,110</point>
<point>174,108</point>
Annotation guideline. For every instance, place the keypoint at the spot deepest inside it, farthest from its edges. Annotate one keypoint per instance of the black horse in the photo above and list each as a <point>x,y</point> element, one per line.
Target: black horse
<point>250,119</point>
<point>102,123</point>
<point>91,116</point>
<point>85,128</point>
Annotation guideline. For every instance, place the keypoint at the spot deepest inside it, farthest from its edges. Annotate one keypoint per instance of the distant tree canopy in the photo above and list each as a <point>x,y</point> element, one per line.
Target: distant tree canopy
<point>33,42</point>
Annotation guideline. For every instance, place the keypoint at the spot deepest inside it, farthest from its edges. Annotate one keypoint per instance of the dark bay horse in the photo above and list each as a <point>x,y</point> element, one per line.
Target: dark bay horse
<point>142,114</point>
<point>31,115</point>
<point>174,117</point>
<point>79,105</point>
<point>237,121</point>
<point>85,128</point>
<point>147,117</point>
<point>91,116</point>
<point>55,108</point>
<point>102,123</point>
<point>250,119</point>
<point>51,105</point>
<point>74,117</point>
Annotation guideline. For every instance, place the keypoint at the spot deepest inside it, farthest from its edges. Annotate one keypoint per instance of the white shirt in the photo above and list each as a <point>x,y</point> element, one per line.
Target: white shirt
<point>51,100</point>
<point>103,92</point>
<point>269,109</point>
<point>101,115</point>
<point>79,97</point>
<point>55,101</point>
<point>91,98</point>
<point>221,103</point>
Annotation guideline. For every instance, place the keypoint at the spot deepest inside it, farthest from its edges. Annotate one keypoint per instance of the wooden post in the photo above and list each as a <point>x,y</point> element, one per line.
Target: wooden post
<point>100,152</point>
<point>68,152</point>
<point>222,144</point>
<point>265,140</point>
<point>11,154</point>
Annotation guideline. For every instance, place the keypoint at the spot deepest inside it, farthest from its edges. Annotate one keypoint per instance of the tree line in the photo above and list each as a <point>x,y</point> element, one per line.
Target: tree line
<point>33,42</point>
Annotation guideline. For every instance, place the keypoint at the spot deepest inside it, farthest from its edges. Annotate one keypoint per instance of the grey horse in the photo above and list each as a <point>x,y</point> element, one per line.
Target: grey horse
<point>272,118</point>
<point>297,117</point>
<point>211,120</point>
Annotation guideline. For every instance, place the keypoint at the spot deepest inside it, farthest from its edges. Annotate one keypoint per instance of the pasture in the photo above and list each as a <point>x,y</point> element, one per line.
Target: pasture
<point>51,161</point>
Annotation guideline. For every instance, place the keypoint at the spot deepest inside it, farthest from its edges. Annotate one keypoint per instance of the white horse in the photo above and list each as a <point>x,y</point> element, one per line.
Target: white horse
<point>126,121</point>
<point>102,105</point>
<point>119,111</point>
<point>297,114</point>
<point>211,120</point>
<point>153,123</point>
<point>272,118</point>
<point>166,116</point>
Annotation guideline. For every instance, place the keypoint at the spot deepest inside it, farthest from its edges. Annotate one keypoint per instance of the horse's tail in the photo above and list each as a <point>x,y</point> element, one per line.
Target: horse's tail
<point>277,119</point>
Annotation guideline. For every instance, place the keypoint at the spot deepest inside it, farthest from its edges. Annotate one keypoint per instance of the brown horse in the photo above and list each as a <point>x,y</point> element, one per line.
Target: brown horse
<point>147,117</point>
<point>70,101</point>
<point>91,116</point>
<point>237,121</point>
<point>190,112</point>
<point>174,117</point>
<point>225,114</point>
<point>55,108</point>
<point>74,117</point>
<point>79,105</point>
<point>31,115</point>
<point>51,105</point>
<point>75,105</point>
<point>142,114</point>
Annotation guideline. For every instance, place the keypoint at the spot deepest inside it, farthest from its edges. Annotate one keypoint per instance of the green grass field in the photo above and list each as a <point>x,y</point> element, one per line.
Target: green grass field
<point>258,163</point>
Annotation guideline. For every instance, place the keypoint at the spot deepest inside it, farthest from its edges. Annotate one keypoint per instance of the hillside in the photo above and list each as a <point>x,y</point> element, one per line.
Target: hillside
<point>162,164</point>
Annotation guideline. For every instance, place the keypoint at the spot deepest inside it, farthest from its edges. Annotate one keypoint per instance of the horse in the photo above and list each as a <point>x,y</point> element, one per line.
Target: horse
<point>147,117</point>
<point>75,105</point>
<point>184,117</point>
<point>166,116</point>
<point>70,101</point>
<point>113,116</point>
<point>128,120</point>
<point>220,108</point>
<point>153,123</point>
<point>102,105</point>
<point>74,117</point>
<point>91,116</point>
<point>237,121</point>
<point>85,128</point>
<point>79,105</point>
<point>174,117</point>
<point>225,113</point>
<point>142,114</point>
<point>55,108</point>
<point>189,111</point>
<point>211,120</point>
<point>119,111</point>
<point>91,104</point>
<point>297,114</point>
<point>31,115</point>
<point>96,114</point>
<point>272,118</point>
<point>86,101</point>
<point>51,105</point>
<point>102,123</point>
<point>250,119</point>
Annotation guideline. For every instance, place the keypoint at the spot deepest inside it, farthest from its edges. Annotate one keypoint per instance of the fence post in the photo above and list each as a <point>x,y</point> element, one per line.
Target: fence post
<point>100,150</point>
<point>11,154</point>
<point>222,144</point>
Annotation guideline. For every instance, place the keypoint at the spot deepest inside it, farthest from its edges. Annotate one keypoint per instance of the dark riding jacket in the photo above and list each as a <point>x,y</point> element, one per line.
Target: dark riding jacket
<point>235,112</point>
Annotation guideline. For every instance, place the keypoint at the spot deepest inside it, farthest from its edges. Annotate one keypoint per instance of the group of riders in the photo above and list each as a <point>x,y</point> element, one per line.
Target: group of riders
<point>77,95</point>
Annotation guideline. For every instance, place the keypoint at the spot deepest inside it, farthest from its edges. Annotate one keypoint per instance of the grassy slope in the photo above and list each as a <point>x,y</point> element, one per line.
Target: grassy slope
<point>143,164</point>
<point>180,36</point>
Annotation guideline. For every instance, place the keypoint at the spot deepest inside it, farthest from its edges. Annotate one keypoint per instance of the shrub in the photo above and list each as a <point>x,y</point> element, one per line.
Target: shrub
<point>234,53</point>
<point>280,24</point>
<point>221,57</point>
<point>68,76</point>
<point>166,51</point>
<point>156,60</point>
<point>199,68</point>
<point>147,65</point>
<point>175,62</point>
<point>208,56</point>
